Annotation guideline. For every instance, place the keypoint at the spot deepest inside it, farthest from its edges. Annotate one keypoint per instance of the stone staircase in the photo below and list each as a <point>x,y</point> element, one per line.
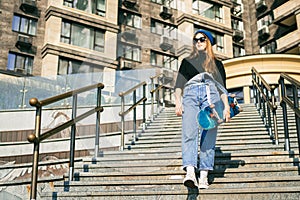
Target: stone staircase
<point>247,166</point>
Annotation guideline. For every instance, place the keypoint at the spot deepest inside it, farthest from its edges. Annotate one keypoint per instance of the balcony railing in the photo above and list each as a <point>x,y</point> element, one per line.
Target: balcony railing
<point>166,43</point>
<point>166,12</point>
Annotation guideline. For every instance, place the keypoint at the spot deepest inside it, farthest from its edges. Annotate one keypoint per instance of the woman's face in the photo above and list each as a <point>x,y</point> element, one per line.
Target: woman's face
<point>200,41</point>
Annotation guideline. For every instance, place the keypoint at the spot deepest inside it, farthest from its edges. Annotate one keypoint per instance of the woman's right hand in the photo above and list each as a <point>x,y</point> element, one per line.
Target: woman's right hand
<point>178,104</point>
<point>178,109</point>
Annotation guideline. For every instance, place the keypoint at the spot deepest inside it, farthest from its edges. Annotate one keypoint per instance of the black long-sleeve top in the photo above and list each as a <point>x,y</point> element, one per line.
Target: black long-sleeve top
<point>190,67</point>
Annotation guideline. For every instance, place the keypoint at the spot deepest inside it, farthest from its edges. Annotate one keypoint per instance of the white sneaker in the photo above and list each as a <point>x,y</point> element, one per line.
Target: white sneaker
<point>190,180</point>
<point>203,183</point>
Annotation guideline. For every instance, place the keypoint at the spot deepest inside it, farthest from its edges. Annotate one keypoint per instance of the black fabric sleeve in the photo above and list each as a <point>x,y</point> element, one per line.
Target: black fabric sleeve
<point>181,77</point>
<point>222,72</point>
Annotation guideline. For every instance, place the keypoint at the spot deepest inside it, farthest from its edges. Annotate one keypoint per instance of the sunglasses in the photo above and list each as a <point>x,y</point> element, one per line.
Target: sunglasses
<point>201,39</point>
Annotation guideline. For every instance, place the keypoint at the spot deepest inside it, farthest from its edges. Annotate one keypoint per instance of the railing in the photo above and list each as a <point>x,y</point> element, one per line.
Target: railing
<point>265,103</point>
<point>133,107</point>
<point>36,138</point>
<point>155,91</point>
<point>293,104</point>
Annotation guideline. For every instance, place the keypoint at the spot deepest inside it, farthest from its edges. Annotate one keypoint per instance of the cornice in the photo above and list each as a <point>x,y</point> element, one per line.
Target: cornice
<point>93,21</point>
<point>197,20</point>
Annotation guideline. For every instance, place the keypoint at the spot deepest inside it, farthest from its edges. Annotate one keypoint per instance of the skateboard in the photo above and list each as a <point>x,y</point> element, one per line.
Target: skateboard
<point>210,117</point>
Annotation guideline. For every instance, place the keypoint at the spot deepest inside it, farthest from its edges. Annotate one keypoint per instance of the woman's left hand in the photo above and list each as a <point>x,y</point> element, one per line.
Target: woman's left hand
<point>226,114</point>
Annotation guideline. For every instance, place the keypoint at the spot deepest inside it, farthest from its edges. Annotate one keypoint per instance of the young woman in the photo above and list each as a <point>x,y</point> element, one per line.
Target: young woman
<point>201,68</point>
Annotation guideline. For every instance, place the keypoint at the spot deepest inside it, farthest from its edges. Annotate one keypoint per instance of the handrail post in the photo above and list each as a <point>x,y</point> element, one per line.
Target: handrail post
<point>152,100</point>
<point>73,138</point>
<point>134,118</point>
<point>297,119</point>
<point>254,88</point>
<point>96,152</point>
<point>263,114</point>
<point>269,115</point>
<point>285,119</point>
<point>34,175</point>
<point>144,109</point>
<point>274,115</point>
<point>122,123</point>
<point>157,102</point>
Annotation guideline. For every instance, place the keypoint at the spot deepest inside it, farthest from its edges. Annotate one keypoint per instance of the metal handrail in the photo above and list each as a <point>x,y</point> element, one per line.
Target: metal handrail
<point>36,138</point>
<point>133,107</point>
<point>155,90</point>
<point>294,105</point>
<point>262,91</point>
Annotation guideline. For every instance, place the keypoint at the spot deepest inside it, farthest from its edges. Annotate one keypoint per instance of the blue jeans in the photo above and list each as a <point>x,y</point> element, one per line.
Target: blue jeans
<point>194,99</point>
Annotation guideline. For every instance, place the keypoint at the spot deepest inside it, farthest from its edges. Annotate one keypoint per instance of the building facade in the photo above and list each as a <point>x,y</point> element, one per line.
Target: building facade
<point>59,37</point>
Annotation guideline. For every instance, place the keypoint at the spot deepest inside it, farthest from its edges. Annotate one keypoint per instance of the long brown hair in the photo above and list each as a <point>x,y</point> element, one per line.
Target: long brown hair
<point>209,63</point>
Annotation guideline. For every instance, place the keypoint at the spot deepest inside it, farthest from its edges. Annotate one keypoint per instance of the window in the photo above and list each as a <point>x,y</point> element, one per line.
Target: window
<point>238,51</point>
<point>157,1</point>
<point>237,25</point>
<point>70,66</point>
<point>82,36</point>
<point>165,61</point>
<point>20,63</point>
<point>268,48</point>
<point>209,10</point>
<point>264,21</point>
<point>25,25</point>
<point>169,3</point>
<point>163,29</point>
<point>219,42</point>
<point>130,52</point>
<point>90,6</point>
<point>132,20</point>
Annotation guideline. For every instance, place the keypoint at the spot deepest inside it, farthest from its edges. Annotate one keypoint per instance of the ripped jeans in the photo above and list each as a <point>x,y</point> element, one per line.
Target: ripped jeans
<point>194,99</point>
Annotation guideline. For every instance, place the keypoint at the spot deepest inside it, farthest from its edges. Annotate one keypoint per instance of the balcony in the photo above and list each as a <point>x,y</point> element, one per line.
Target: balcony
<point>29,7</point>
<point>129,33</point>
<point>261,6</point>
<point>238,35</point>
<point>236,9</point>
<point>289,43</point>
<point>284,15</point>
<point>125,65</point>
<point>264,33</point>
<point>129,3</point>
<point>165,12</point>
<point>165,44</point>
<point>167,76</point>
<point>24,42</point>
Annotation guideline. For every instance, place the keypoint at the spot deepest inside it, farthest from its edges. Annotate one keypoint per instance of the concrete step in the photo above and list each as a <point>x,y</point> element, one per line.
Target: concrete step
<point>176,182</point>
<point>275,193</point>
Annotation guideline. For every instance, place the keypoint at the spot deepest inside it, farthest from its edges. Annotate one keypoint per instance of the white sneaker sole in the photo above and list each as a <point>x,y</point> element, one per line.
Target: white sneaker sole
<point>203,186</point>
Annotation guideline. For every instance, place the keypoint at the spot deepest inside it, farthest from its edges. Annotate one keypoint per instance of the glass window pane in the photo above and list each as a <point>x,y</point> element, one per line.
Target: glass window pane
<point>63,66</point>
<point>28,65</point>
<point>159,28</point>
<point>16,23</point>
<point>153,58</point>
<point>24,25</point>
<point>66,29</point>
<point>11,61</point>
<point>128,52</point>
<point>101,5</point>
<point>99,40</point>
<point>81,36</point>
<point>136,54</point>
<point>205,8</point>
<point>32,27</point>
<point>137,21</point>
<point>129,19</point>
<point>20,62</point>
